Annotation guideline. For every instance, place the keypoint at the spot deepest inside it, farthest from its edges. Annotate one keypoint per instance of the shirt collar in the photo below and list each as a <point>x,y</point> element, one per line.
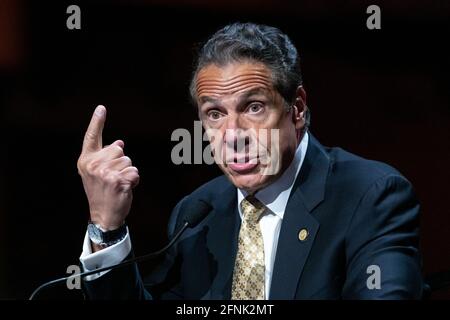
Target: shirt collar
<point>275,196</point>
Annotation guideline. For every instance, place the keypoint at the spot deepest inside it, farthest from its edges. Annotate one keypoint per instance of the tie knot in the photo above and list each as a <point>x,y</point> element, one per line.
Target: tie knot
<point>252,209</point>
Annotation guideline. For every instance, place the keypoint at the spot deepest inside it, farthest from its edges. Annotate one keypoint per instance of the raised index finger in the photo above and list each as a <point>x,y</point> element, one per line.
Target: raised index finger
<point>93,137</point>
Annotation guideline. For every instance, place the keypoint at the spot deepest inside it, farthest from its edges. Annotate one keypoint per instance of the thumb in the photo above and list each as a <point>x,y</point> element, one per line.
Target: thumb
<point>119,143</point>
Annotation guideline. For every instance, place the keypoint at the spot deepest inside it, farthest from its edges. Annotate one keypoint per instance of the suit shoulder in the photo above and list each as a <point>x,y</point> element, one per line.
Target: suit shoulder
<point>357,171</point>
<point>209,190</point>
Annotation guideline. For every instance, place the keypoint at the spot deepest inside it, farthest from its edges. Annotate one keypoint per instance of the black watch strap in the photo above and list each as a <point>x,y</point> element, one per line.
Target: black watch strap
<point>106,238</point>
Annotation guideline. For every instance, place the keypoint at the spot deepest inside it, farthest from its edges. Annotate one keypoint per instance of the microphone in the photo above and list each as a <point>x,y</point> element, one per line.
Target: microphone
<point>196,212</point>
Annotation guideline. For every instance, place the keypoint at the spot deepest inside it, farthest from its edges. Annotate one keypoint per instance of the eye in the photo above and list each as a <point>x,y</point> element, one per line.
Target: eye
<point>255,108</point>
<point>214,115</point>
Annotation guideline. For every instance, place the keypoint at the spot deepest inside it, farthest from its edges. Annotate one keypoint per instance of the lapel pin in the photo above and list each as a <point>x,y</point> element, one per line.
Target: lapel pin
<point>302,234</point>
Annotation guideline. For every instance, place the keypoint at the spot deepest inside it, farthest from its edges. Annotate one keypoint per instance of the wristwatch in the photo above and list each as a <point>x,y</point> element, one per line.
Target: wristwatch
<point>106,238</point>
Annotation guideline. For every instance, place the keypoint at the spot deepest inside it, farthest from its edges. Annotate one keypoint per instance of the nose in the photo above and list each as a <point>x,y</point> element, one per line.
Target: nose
<point>233,122</point>
<point>235,136</point>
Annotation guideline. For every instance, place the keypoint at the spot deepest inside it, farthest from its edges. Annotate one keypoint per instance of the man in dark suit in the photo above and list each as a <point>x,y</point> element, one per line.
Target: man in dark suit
<point>296,221</point>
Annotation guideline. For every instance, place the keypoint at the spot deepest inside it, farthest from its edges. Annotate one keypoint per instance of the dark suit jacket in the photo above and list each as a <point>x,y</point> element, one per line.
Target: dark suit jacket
<point>357,213</point>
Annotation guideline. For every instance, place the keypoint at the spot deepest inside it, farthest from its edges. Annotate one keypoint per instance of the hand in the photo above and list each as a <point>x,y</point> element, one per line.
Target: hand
<point>108,175</point>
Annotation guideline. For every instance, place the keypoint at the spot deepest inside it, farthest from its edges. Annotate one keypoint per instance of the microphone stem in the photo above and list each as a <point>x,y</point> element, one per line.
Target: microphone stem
<point>122,264</point>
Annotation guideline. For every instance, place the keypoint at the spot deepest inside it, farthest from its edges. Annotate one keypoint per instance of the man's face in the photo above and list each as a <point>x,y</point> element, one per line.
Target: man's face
<point>235,102</point>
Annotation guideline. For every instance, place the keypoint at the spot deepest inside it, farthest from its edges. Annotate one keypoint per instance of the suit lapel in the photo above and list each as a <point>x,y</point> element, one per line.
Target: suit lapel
<point>222,242</point>
<point>307,192</point>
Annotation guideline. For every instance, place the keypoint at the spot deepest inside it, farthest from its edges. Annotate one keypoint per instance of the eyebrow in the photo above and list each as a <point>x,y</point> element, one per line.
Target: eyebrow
<point>242,97</point>
<point>205,99</point>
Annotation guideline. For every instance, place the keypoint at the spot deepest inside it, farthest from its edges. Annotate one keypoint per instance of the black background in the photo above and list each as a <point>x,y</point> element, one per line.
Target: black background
<point>383,94</point>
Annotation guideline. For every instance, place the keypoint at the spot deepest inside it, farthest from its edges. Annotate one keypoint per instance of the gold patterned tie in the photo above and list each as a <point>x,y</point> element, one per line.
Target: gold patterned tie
<point>249,270</point>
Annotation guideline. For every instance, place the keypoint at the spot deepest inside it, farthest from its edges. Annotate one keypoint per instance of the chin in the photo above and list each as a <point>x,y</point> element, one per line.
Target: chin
<point>250,182</point>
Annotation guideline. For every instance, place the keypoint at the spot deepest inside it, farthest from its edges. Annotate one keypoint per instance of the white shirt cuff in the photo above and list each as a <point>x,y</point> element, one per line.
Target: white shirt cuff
<point>103,258</point>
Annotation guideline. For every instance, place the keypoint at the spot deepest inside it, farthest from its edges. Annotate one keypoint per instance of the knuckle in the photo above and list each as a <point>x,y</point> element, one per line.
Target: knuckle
<point>104,173</point>
<point>90,135</point>
<point>80,165</point>
<point>91,167</point>
<point>134,169</point>
<point>111,178</point>
<point>127,160</point>
<point>132,176</point>
<point>115,151</point>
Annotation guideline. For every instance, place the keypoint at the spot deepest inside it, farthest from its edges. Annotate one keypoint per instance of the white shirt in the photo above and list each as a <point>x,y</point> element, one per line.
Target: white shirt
<point>274,197</point>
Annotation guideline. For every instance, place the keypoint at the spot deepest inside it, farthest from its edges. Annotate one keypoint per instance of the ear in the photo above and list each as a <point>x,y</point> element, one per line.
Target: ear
<point>300,108</point>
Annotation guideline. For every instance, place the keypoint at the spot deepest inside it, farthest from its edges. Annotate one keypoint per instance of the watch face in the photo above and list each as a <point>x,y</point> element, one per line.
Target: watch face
<point>95,234</point>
